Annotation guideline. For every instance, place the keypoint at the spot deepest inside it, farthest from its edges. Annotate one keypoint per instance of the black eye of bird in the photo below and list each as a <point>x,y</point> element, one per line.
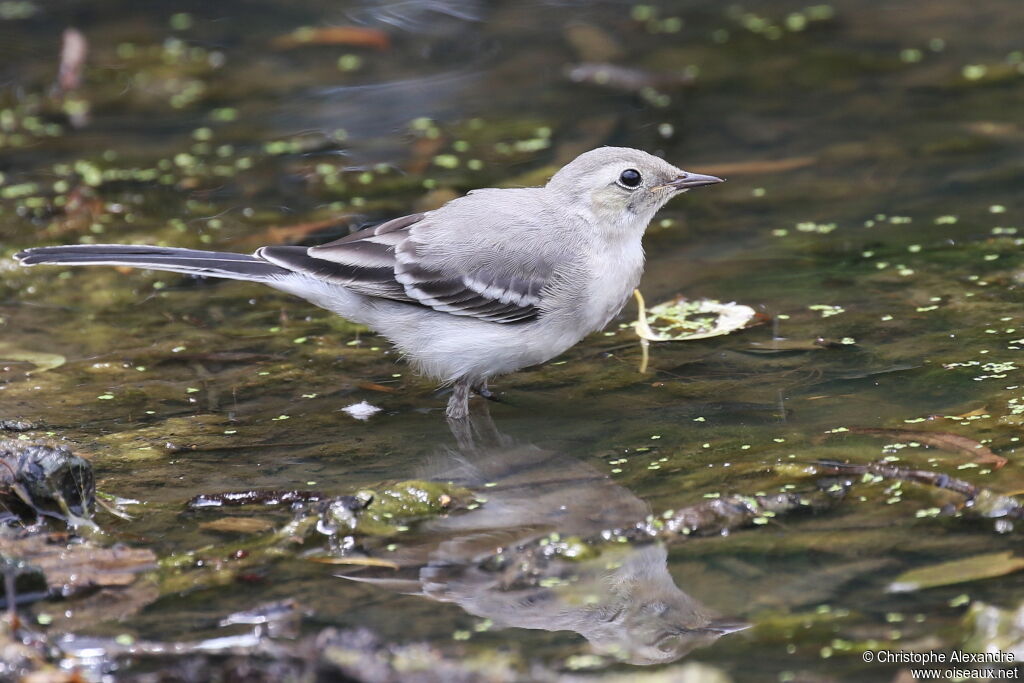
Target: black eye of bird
<point>630,178</point>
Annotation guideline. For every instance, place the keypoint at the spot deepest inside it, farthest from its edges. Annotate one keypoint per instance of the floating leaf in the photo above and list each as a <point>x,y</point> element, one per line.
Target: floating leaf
<point>361,561</point>
<point>42,361</point>
<point>957,571</point>
<point>684,319</point>
<point>356,36</point>
<point>373,386</point>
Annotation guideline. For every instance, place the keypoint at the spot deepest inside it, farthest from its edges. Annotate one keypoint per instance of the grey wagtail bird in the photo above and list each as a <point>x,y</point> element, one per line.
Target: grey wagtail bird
<point>495,281</point>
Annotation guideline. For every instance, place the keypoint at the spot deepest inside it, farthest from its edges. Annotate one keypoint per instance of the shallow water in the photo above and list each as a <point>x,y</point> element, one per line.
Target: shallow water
<point>873,152</point>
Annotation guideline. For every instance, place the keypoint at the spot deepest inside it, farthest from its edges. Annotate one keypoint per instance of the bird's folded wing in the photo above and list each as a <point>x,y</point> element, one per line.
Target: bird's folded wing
<point>388,261</point>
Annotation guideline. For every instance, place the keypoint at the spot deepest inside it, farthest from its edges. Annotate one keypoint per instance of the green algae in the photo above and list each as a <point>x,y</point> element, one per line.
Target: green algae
<point>391,508</point>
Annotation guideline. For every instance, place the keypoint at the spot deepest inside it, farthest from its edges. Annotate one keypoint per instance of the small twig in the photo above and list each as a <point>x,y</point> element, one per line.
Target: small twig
<point>887,471</point>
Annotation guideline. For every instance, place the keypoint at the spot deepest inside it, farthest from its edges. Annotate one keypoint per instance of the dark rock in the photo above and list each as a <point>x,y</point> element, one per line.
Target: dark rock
<point>38,479</point>
<point>17,425</point>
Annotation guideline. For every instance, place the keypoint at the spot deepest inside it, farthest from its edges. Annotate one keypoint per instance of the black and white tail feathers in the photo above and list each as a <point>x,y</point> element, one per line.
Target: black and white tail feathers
<point>189,261</point>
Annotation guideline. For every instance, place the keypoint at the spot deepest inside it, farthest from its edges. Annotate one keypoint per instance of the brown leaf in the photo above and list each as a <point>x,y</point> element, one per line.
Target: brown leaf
<point>373,386</point>
<point>355,36</point>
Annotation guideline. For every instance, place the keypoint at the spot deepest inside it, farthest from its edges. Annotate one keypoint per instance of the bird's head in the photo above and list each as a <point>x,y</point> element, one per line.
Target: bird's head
<point>623,187</point>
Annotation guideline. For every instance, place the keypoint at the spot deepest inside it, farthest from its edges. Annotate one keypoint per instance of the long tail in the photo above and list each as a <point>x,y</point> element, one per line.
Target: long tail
<point>189,261</point>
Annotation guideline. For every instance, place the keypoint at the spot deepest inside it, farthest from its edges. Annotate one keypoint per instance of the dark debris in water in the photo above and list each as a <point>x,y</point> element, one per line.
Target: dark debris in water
<point>17,425</point>
<point>47,480</point>
<point>977,501</point>
<point>44,486</point>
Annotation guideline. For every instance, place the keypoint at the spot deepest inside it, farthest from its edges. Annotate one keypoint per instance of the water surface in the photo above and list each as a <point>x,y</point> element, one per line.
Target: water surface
<point>873,152</point>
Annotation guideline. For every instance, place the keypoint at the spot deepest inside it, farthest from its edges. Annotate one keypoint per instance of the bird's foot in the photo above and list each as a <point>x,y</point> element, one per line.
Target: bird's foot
<point>482,391</point>
<point>458,404</point>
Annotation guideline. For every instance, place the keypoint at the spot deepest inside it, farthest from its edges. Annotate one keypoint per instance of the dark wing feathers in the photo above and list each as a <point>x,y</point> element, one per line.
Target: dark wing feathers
<point>479,294</point>
<point>386,261</point>
<point>369,280</point>
<point>363,261</point>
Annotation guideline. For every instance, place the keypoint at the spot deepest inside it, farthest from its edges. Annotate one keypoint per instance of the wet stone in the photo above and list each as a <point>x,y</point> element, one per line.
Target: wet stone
<point>17,425</point>
<point>40,479</point>
<point>71,567</point>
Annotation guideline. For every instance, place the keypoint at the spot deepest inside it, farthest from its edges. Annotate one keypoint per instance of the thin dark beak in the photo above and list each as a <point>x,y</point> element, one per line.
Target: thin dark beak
<point>690,180</point>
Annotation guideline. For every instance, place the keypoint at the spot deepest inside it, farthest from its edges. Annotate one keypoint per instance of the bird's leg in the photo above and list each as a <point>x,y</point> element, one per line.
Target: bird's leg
<point>458,404</point>
<point>482,390</point>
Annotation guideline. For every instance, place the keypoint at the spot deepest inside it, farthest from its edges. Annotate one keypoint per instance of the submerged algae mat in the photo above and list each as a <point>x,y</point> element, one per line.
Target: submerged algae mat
<point>872,213</point>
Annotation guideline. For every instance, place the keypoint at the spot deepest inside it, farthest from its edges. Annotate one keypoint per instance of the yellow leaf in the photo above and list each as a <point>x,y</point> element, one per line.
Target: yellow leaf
<point>361,561</point>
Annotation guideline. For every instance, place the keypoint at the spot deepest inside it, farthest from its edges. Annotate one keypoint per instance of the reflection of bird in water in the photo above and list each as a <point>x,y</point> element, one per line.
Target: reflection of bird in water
<point>493,563</point>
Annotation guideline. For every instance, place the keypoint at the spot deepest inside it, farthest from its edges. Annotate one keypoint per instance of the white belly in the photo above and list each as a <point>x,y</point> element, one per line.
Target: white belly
<point>449,347</point>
